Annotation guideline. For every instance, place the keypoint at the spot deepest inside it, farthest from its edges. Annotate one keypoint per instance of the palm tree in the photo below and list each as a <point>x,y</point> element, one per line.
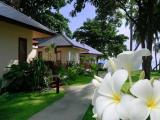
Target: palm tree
<point>156,49</point>
<point>50,49</point>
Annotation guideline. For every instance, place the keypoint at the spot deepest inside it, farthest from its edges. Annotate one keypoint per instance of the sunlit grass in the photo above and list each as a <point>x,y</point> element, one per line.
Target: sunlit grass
<point>81,80</point>
<point>23,105</point>
<point>89,114</point>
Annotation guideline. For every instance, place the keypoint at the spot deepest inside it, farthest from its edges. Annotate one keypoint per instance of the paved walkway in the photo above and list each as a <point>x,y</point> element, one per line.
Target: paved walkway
<point>71,107</point>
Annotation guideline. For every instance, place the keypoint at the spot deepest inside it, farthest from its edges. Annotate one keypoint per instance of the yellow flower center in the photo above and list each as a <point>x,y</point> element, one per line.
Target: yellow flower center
<point>116,98</point>
<point>151,103</point>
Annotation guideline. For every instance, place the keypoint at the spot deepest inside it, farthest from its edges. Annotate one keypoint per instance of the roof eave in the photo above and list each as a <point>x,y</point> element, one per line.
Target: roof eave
<point>2,18</point>
<point>93,54</point>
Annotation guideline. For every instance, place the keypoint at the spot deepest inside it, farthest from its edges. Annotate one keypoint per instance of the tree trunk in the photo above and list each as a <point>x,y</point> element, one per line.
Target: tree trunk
<point>148,61</point>
<point>159,64</point>
<point>131,28</point>
<point>137,46</point>
<point>146,65</point>
<point>156,59</point>
<point>149,35</point>
<point>131,36</point>
<point>144,61</point>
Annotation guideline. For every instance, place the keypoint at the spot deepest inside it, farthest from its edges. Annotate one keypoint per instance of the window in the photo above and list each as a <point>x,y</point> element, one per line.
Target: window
<point>39,54</point>
<point>58,56</point>
<point>22,50</point>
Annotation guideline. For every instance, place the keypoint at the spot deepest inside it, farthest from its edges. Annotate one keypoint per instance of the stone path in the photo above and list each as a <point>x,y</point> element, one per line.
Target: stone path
<point>71,107</point>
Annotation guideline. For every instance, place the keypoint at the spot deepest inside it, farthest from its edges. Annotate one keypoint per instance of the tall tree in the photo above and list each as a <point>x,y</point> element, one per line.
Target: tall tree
<point>145,21</point>
<point>102,36</point>
<point>45,12</point>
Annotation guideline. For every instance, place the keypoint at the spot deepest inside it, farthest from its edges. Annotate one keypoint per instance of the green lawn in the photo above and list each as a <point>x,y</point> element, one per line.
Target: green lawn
<point>84,79</point>
<point>88,115</point>
<point>81,80</point>
<point>23,105</point>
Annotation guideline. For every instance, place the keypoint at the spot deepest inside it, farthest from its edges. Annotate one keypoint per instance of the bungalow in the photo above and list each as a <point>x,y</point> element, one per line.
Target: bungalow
<point>16,33</point>
<point>65,50</point>
<point>89,56</point>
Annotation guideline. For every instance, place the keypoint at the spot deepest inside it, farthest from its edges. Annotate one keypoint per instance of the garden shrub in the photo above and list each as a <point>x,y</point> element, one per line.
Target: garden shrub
<point>68,74</point>
<point>26,77</point>
<point>80,69</point>
<point>94,68</point>
<point>71,73</point>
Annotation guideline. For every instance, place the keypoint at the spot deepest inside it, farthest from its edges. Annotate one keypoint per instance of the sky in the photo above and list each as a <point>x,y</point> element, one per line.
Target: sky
<point>76,22</point>
<point>87,12</point>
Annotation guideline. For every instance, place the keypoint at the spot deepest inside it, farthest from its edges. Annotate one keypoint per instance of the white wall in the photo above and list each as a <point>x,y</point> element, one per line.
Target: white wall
<point>45,56</point>
<point>9,36</point>
<point>91,56</point>
<point>74,54</point>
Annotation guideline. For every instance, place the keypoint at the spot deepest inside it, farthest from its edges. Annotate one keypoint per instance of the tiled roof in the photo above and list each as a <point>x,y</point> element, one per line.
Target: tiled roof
<point>91,50</point>
<point>59,40</point>
<point>63,41</point>
<point>8,13</point>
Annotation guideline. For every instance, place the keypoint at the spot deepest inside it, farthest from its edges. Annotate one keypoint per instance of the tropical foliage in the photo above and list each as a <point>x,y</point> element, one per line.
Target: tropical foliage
<point>26,77</point>
<point>101,35</point>
<point>71,73</point>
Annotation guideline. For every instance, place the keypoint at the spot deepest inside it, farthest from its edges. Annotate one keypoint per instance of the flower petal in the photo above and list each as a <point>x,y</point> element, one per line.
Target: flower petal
<point>155,114</point>
<point>139,110</point>
<point>126,53</point>
<point>124,107</point>
<point>119,77</point>
<point>142,89</point>
<point>101,104</point>
<point>126,61</point>
<point>142,52</point>
<point>110,113</point>
<point>137,62</point>
<point>106,87</point>
<point>112,64</point>
<point>137,59</point>
<point>98,78</point>
<point>105,64</point>
<point>95,95</point>
<point>94,113</point>
<point>156,89</point>
<point>107,76</point>
<point>96,83</point>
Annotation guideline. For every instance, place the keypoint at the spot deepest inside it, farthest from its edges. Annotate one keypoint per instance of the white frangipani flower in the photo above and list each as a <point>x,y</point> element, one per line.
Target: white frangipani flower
<point>109,99</point>
<point>97,81</point>
<point>147,101</point>
<point>124,107</point>
<point>131,60</point>
<point>111,65</point>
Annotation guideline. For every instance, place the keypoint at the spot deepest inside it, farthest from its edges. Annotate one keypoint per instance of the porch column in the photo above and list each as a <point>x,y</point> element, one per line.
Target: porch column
<point>69,56</point>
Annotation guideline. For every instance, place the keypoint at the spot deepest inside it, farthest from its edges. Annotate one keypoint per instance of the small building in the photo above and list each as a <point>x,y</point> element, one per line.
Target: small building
<point>60,49</point>
<point>89,56</point>
<point>16,33</point>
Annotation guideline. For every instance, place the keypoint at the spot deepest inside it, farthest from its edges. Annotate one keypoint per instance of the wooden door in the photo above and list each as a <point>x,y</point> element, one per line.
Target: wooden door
<point>58,56</point>
<point>22,50</point>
